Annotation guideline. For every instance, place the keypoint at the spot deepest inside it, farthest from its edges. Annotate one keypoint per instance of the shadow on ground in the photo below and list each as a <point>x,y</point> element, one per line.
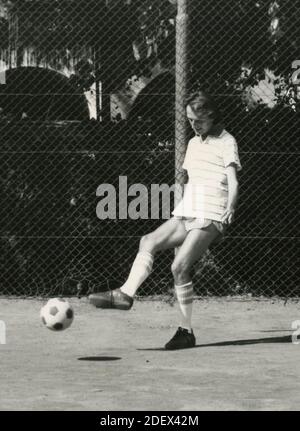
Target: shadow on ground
<point>283,339</point>
<point>99,358</point>
<point>277,330</point>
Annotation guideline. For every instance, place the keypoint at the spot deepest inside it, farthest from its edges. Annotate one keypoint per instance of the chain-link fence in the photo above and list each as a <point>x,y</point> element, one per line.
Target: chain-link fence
<point>88,98</point>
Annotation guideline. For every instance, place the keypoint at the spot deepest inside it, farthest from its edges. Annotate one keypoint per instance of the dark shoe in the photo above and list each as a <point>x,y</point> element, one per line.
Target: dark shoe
<point>183,339</point>
<point>111,299</point>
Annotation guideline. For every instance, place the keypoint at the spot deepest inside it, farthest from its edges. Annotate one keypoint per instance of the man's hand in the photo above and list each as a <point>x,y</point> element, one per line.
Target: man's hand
<point>228,215</point>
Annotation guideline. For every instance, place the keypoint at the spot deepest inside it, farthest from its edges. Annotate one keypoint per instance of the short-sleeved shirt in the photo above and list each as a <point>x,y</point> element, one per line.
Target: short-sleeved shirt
<point>206,193</point>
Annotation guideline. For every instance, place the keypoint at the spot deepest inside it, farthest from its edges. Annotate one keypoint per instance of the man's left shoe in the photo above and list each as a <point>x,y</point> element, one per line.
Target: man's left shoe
<point>183,339</point>
<point>111,299</point>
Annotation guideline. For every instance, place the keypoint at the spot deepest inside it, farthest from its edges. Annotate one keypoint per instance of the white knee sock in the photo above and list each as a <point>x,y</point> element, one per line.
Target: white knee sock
<point>185,295</point>
<point>140,270</point>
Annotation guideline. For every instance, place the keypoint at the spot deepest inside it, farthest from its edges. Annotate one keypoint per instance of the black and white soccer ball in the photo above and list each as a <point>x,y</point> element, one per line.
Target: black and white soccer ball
<point>57,314</point>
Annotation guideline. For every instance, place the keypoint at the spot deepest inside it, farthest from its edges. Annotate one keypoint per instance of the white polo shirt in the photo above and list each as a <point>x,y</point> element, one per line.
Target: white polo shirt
<point>206,193</point>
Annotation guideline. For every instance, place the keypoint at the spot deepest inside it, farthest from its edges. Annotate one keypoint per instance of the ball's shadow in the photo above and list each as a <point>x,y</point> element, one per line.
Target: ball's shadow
<point>99,358</point>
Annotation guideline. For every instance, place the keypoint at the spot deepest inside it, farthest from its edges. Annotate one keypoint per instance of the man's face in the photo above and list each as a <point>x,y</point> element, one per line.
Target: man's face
<point>200,123</point>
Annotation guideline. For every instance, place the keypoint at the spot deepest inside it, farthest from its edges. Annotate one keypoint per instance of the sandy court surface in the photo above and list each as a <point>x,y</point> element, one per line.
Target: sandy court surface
<point>114,360</point>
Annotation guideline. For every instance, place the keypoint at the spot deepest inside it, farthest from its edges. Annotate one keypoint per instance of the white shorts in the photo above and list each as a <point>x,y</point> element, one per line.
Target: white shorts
<point>195,223</point>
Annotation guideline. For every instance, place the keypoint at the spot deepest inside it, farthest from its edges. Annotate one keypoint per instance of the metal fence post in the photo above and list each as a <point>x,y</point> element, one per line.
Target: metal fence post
<point>180,92</point>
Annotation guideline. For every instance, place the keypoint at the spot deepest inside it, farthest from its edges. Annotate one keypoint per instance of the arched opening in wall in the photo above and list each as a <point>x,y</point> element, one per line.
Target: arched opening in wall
<point>39,94</point>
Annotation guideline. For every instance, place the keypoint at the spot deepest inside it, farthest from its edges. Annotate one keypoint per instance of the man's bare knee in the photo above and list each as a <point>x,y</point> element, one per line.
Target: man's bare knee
<point>181,271</point>
<point>147,243</point>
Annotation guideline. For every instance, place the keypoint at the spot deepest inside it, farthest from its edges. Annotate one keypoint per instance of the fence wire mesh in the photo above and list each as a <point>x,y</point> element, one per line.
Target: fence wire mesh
<point>87,97</point>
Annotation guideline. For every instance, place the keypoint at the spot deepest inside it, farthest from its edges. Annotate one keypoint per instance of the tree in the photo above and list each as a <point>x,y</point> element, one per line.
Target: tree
<point>238,41</point>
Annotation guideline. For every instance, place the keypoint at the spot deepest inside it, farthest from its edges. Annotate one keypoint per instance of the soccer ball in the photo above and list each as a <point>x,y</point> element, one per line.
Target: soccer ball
<point>57,314</point>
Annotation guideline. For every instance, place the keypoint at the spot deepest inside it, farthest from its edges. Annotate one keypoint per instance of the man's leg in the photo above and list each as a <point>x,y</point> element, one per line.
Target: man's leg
<point>193,247</point>
<point>170,234</point>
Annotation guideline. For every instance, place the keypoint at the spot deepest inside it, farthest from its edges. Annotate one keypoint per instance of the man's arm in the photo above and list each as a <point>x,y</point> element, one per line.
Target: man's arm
<point>233,192</point>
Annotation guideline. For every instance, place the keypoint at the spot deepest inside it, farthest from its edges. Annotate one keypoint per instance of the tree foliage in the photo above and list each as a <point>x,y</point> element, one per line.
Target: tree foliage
<point>230,43</point>
<point>126,38</point>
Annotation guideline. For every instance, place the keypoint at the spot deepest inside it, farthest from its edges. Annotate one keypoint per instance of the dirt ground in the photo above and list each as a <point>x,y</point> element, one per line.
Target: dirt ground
<point>114,360</point>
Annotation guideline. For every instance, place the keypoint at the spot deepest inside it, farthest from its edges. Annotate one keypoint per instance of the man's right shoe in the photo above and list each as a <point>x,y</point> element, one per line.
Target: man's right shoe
<point>111,299</point>
<point>182,339</point>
